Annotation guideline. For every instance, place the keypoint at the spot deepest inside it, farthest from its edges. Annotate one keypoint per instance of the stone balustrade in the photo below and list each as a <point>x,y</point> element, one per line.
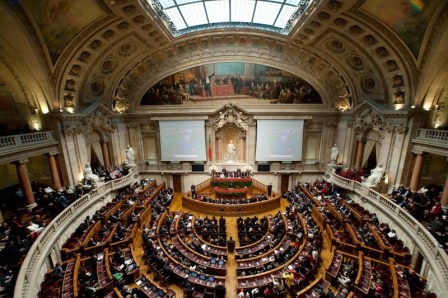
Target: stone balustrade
<point>436,259</point>
<point>432,137</point>
<point>16,142</point>
<point>47,246</point>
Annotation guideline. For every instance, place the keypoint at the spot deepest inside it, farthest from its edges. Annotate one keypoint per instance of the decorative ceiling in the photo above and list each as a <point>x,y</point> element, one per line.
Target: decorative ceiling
<point>185,16</point>
<point>66,55</point>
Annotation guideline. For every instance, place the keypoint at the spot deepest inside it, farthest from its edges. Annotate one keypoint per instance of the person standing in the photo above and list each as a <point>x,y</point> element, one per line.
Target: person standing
<point>220,290</point>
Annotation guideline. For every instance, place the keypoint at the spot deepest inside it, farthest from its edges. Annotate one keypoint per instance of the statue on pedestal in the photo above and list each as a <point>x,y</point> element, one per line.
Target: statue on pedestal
<point>334,154</point>
<point>231,151</point>
<point>130,156</point>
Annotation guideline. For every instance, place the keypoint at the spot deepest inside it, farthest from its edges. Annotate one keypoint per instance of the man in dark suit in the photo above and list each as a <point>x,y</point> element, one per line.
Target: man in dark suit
<point>208,90</point>
<point>231,244</point>
<point>220,290</point>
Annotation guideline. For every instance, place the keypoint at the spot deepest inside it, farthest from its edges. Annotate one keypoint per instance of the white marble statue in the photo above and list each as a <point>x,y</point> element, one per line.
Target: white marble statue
<point>231,151</point>
<point>334,154</point>
<point>375,176</point>
<point>130,156</point>
<point>89,175</point>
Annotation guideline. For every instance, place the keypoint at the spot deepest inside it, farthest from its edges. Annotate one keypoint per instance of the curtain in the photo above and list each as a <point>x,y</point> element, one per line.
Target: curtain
<point>368,147</point>
<point>95,145</point>
<point>372,139</point>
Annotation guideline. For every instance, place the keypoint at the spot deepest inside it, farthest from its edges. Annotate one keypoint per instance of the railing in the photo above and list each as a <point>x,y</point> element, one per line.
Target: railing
<point>33,267</point>
<point>29,139</point>
<point>434,136</point>
<point>428,246</point>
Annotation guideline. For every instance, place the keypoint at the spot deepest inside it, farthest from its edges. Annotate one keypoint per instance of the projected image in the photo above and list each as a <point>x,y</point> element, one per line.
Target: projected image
<point>232,80</point>
<point>279,140</point>
<point>182,140</point>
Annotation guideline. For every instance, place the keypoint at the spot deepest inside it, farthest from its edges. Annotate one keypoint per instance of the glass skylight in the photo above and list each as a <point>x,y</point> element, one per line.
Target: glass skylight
<point>185,16</point>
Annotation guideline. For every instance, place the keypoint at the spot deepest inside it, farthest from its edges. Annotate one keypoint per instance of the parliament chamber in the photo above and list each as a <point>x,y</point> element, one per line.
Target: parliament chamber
<point>223,148</point>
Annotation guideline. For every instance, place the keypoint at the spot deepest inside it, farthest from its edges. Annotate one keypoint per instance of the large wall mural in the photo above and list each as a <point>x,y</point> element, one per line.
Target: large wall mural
<point>231,80</point>
<point>408,18</point>
<point>60,21</point>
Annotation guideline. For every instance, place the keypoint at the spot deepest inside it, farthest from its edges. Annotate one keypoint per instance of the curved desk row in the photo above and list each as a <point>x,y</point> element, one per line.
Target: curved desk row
<point>231,210</point>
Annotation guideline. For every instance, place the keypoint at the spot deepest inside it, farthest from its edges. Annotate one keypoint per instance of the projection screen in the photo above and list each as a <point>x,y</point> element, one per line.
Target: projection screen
<point>182,140</point>
<point>279,140</point>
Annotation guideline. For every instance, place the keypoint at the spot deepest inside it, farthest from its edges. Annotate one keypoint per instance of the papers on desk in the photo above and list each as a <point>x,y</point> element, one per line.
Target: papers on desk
<point>100,257</point>
<point>128,261</point>
<point>139,282</point>
<point>121,267</point>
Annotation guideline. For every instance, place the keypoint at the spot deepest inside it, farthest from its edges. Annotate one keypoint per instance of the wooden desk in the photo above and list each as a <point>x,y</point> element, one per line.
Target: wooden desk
<point>400,283</point>
<point>231,209</point>
<point>334,267</point>
<point>179,271</point>
<point>152,290</point>
<point>215,250</point>
<point>70,280</point>
<point>102,276</point>
<point>362,288</point>
<point>197,258</point>
<point>264,258</point>
<point>311,291</point>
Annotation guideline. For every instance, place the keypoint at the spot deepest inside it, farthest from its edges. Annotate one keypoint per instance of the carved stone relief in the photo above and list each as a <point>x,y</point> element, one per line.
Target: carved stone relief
<point>231,114</point>
<point>95,121</point>
<point>369,119</point>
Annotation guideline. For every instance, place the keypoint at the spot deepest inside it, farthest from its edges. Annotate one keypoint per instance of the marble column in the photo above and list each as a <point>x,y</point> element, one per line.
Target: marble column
<point>106,155</point>
<point>25,184</point>
<point>415,178</point>
<point>219,149</point>
<point>242,147</point>
<point>359,153</point>
<point>54,172</point>
<point>444,199</point>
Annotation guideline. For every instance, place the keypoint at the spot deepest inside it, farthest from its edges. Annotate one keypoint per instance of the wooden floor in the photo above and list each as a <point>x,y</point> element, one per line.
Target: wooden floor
<point>231,281</point>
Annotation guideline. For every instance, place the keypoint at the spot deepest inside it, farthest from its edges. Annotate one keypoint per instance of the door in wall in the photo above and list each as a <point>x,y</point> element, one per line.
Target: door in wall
<point>177,183</point>
<point>284,184</point>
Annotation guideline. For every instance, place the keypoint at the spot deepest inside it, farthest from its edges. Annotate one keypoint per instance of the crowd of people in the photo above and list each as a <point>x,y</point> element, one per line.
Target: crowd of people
<point>252,199</point>
<point>116,227</point>
<point>424,205</point>
<point>211,230</point>
<point>21,227</point>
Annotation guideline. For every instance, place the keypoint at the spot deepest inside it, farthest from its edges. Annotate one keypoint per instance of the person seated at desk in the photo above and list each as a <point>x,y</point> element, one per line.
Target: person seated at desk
<point>126,290</point>
<point>289,279</point>
<point>92,242</point>
<point>90,289</point>
<point>415,282</point>
<point>58,272</point>
<point>187,287</point>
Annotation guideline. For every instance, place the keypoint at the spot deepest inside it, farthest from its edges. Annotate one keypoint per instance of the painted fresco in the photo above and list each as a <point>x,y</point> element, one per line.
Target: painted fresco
<point>59,21</point>
<point>235,80</point>
<point>408,18</point>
